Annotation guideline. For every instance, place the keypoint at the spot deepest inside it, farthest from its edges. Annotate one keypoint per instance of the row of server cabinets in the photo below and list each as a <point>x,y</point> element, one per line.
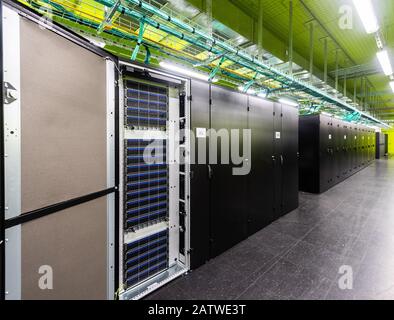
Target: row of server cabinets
<point>331,150</point>
<point>230,202</point>
<point>171,171</point>
<point>382,143</point>
<point>202,169</point>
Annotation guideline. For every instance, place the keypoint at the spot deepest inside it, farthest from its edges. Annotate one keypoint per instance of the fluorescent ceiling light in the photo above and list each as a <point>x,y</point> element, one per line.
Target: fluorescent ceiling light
<point>250,91</point>
<point>183,71</point>
<point>96,42</point>
<point>392,85</point>
<point>288,102</point>
<point>367,15</point>
<point>384,60</point>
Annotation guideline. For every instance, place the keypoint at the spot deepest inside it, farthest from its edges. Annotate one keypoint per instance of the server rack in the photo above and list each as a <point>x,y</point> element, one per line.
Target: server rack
<point>154,180</point>
<point>228,219</point>
<point>35,235</point>
<point>331,150</point>
<point>200,173</point>
<point>261,178</point>
<point>381,146</point>
<point>239,206</point>
<point>285,159</point>
<point>386,152</point>
<point>336,137</point>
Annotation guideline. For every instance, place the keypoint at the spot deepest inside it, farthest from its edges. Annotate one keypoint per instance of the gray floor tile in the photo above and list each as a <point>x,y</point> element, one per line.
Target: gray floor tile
<point>300,255</point>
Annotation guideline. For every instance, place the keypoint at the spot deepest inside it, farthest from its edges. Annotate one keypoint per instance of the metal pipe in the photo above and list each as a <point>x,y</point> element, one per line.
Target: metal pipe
<point>291,25</point>
<point>355,90</point>
<point>311,49</point>
<point>208,12</point>
<point>325,60</point>
<point>261,30</point>
<point>336,71</point>
<point>345,84</point>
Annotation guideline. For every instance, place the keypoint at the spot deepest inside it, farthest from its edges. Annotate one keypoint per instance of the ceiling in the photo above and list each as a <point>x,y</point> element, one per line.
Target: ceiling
<point>355,47</point>
<point>235,22</point>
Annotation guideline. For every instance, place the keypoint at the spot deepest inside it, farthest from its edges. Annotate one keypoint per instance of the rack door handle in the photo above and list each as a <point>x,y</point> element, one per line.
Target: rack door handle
<point>210,172</point>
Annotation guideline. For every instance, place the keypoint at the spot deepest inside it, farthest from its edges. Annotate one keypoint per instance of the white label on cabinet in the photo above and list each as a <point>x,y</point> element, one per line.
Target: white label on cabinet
<point>201,133</point>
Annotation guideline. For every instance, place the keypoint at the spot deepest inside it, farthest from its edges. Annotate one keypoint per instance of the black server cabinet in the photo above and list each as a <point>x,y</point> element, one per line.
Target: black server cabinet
<point>309,149</point>
<point>386,147</point>
<point>227,208</point>
<point>228,191</point>
<point>359,148</point>
<point>350,149</point>
<point>380,145</point>
<point>373,146</point>
<point>331,150</point>
<point>290,154</point>
<point>354,148</point>
<point>199,182</point>
<point>367,141</point>
<point>278,161</point>
<point>327,164</point>
<point>368,146</point>
<point>346,150</point>
<point>386,141</point>
<point>261,177</point>
<point>286,181</point>
<point>343,146</point>
<point>337,156</point>
<point>364,147</point>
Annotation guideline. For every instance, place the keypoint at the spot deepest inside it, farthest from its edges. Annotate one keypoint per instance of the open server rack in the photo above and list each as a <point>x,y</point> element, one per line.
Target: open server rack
<point>154,181</point>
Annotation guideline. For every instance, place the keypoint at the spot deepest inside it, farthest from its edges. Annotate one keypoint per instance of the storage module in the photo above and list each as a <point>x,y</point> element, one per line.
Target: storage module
<point>146,190</point>
<point>145,258</point>
<point>154,208</point>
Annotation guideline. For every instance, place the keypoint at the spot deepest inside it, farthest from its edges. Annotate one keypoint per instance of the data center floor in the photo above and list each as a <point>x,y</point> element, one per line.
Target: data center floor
<point>299,256</point>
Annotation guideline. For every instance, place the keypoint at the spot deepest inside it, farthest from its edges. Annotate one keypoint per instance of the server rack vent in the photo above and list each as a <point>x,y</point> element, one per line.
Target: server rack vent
<point>145,258</point>
<point>146,106</point>
<point>146,187</point>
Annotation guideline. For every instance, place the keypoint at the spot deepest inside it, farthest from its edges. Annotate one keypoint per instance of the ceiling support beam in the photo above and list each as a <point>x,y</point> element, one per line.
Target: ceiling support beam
<point>325,60</point>
<point>355,91</point>
<point>260,31</point>
<point>345,86</point>
<point>336,71</point>
<point>311,49</point>
<point>208,12</point>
